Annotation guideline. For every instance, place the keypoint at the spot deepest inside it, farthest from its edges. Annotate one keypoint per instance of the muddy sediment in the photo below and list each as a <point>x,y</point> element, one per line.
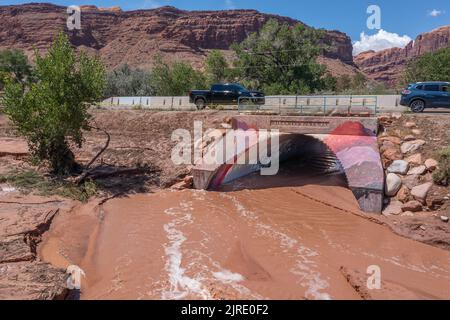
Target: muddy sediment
<point>259,242</point>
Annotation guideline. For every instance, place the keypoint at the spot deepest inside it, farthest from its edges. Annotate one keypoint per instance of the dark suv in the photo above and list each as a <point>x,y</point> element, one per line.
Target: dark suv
<point>422,95</point>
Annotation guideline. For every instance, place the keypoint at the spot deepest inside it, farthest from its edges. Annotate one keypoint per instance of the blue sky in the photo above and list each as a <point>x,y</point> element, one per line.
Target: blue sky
<point>401,20</point>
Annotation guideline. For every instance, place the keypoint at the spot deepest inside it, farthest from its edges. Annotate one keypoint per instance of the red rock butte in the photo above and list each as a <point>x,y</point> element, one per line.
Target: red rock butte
<point>135,37</point>
<point>388,65</point>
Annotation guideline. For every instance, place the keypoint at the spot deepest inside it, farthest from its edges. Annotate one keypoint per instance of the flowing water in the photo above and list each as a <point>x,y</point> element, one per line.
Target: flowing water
<point>294,236</point>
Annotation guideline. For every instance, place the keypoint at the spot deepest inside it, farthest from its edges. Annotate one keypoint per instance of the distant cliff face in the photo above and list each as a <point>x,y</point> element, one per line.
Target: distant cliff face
<point>135,37</point>
<point>388,65</point>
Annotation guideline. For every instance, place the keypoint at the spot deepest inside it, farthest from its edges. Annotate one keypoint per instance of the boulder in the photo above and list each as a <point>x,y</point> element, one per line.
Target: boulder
<point>409,138</point>
<point>444,219</point>
<point>395,140</point>
<point>403,194</point>
<point>431,164</point>
<point>399,166</point>
<point>182,185</point>
<point>394,208</point>
<point>420,170</point>
<point>393,184</point>
<point>397,115</point>
<point>415,159</point>
<point>411,181</point>
<point>411,146</point>
<point>189,180</point>
<point>392,154</point>
<point>387,145</point>
<point>417,132</point>
<point>412,206</point>
<point>407,214</point>
<point>420,192</point>
<point>410,125</point>
<point>435,201</point>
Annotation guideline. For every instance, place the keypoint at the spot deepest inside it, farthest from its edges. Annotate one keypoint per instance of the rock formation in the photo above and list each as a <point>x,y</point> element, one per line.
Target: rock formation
<point>135,37</point>
<point>388,65</point>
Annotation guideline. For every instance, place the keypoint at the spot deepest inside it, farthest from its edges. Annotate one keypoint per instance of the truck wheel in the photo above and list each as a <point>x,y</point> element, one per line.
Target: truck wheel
<point>200,103</point>
<point>417,106</point>
<point>245,101</point>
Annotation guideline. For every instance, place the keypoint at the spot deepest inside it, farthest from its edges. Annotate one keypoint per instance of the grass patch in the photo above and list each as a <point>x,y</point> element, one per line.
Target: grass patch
<point>31,181</point>
<point>442,175</point>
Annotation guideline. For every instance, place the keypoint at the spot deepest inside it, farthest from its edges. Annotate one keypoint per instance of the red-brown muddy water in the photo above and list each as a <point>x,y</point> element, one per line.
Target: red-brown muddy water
<point>285,238</point>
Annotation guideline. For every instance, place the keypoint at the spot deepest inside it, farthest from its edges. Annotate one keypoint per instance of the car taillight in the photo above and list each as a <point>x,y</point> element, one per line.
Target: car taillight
<point>406,92</point>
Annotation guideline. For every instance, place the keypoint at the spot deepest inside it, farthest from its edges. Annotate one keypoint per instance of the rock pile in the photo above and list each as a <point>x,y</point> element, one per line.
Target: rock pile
<point>409,179</point>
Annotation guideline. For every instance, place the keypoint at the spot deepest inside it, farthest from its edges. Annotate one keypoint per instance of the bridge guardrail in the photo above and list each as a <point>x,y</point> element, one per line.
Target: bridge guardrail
<point>310,105</point>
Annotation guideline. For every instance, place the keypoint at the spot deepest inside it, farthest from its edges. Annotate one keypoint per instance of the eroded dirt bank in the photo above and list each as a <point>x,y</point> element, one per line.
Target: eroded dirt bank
<point>23,221</point>
<point>306,240</point>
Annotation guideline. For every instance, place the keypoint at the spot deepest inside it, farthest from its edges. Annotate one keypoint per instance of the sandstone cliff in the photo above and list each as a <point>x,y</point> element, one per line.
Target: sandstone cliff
<point>135,37</point>
<point>388,65</point>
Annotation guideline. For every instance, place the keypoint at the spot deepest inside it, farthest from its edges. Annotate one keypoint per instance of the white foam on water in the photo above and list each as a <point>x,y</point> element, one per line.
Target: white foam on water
<point>310,279</point>
<point>396,262</point>
<point>233,280</point>
<point>285,240</point>
<point>181,285</point>
<point>249,215</point>
<point>199,194</point>
<point>227,276</point>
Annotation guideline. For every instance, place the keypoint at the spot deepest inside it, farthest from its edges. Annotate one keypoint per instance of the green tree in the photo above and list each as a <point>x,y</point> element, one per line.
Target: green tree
<point>14,64</point>
<point>281,59</point>
<point>175,80</point>
<point>127,81</point>
<point>53,112</point>
<point>433,66</point>
<point>216,67</point>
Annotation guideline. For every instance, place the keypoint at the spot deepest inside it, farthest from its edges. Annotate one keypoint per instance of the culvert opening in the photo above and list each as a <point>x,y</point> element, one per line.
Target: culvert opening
<point>303,159</point>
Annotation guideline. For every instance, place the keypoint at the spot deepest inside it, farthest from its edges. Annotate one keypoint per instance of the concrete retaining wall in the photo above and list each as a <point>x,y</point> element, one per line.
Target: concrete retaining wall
<point>385,103</point>
<point>149,103</point>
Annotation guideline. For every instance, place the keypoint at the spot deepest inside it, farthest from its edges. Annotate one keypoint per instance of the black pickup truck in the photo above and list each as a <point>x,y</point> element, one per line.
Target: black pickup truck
<point>225,94</point>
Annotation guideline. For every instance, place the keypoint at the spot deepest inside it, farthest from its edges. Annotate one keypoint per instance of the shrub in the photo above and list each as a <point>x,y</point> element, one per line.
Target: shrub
<point>127,81</point>
<point>175,80</point>
<point>442,175</point>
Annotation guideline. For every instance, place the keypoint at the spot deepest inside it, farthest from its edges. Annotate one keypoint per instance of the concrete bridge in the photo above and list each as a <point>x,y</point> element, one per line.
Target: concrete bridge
<point>352,140</point>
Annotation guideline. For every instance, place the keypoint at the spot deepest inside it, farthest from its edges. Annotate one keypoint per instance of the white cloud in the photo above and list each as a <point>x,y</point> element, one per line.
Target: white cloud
<point>380,41</point>
<point>229,4</point>
<point>435,13</point>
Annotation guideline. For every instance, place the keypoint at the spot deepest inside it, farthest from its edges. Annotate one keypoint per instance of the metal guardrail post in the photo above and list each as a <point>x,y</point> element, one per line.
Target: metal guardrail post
<point>350,106</point>
<point>376,105</point>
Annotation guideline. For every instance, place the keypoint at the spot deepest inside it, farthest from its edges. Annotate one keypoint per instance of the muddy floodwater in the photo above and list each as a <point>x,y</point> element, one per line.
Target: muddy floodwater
<point>294,236</point>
